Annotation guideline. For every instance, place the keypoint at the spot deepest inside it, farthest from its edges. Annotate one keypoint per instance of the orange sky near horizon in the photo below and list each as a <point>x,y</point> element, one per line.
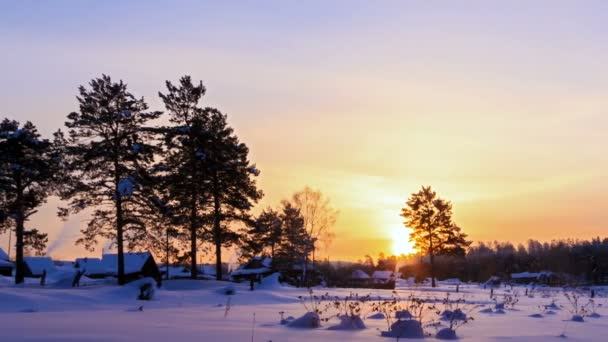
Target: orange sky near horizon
<point>501,108</point>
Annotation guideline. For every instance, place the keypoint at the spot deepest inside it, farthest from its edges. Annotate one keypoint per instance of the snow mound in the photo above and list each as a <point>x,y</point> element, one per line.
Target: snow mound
<point>403,314</point>
<point>349,323</point>
<point>405,329</point>
<point>270,282</point>
<point>577,318</point>
<point>310,320</point>
<point>595,315</point>
<point>446,334</point>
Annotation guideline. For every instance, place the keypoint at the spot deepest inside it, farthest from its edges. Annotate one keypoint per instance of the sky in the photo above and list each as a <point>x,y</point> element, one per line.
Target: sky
<point>500,106</point>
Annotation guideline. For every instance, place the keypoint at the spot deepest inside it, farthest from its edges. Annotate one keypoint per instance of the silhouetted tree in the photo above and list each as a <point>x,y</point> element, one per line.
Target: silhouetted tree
<point>109,150</point>
<point>187,177</point>
<point>232,186</point>
<point>29,172</point>
<point>295,240</point>
<point>319,217</point>
<point>433,232</point>
<point>264,235</point>
<point>35,242</point>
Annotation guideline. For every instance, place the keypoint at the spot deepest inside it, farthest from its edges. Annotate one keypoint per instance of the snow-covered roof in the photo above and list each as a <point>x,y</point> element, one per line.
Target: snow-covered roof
<point>266,261</point>
<point>383,275</point>
<point>90,265</point>
<point>6,263</point>
<point>359,274</point>
<point>39,264</point>
<point>3,255</point>
<point>248,271</point>
<point>206,269</point>
<point>134,262</point>
<point>530,275</point>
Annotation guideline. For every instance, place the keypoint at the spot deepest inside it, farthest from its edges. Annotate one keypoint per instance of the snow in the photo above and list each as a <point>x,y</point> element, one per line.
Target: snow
<point>3,255</point>
<point>383,275</point>
<point>39,264</point>
<point>90,266</point>
<point>133,262</point>
<point>527,275</point>
<point>196,310</point>
<point>359,274</point>
<point>126,187</point>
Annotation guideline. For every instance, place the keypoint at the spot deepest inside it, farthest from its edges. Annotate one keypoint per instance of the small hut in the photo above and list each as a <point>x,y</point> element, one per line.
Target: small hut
<point>137,265</point>
<point>256,268</point>
<point>35,266</point>
<point>6,266</point>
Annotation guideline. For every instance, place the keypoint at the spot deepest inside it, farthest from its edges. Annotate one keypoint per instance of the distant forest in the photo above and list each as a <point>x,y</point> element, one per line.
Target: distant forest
<point>578,262</point>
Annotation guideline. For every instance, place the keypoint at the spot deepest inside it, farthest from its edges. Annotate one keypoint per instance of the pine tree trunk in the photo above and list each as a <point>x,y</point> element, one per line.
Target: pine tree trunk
<point>432,255</point>
<point>217,231</point>
<point>193,244</point>
<point>19,230</point>
<point>119,224</point>
<point>119,241</point>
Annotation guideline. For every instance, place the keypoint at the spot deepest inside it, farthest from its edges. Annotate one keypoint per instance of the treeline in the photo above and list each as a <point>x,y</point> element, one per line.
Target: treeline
<point>578,261</point>
<point>166,188</point>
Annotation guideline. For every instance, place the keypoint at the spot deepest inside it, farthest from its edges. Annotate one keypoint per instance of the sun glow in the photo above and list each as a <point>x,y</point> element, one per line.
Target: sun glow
<point>401,241</point>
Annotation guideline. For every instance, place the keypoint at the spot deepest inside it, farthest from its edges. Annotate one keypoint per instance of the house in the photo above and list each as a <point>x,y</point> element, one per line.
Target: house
<point>494,281</point>
<point>383,277</point>
<point>359,275</point>
<point>256,268</point>
<point>137,265</point>
<point>35,266</point>
<point>92,267</point>
<point>6,266</point>
<point>544,278</point>
<point>359,278</point>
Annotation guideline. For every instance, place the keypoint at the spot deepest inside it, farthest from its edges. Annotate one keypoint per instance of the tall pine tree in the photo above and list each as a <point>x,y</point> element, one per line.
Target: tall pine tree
<point>264,236</point>
<point>233,190</point>
<point>108,151</point>
<point>29,172</point>
<point>433,231</point>
<point>210,181</point>
<point>186,177</point>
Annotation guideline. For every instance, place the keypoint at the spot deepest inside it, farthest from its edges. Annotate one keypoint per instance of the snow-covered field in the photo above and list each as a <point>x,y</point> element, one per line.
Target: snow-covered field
<point>201,311</point>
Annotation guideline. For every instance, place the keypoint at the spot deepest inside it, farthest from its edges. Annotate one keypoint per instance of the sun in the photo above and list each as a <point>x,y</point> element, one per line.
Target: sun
<point>401,241</point>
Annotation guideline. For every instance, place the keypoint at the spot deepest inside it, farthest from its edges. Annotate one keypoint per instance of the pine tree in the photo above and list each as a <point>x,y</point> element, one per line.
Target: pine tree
<point>35,242</point>
<point>434,233</point>
<point>264,235</point>
<point>210,180</point>
<point>186,178</point>
<point>233,189</point>
<point>109,148</point>
<point>295,241</point>
<point>29,172</point>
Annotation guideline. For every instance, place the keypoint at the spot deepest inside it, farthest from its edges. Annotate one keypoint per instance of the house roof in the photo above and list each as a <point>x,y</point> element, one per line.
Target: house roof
<point>3,255</point>
<point>530,275</point>
<point>6,263</point>
<point>359,274</point>
<point>90,265</point>
<point>39,264</point>
<point>257,265</point>
<point>383,275</point>
<point>134,262</point>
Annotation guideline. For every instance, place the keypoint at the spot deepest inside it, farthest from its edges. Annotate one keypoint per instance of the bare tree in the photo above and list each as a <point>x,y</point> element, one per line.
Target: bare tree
<point>319,217</point>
